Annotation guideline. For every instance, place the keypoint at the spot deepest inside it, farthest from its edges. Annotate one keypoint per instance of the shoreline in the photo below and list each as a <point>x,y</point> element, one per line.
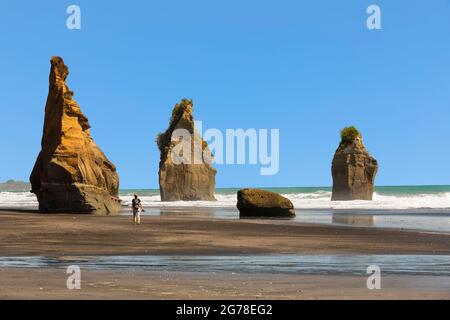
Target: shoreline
<point>423,221</point>
<point>31,234</point>
<point>67,235</point>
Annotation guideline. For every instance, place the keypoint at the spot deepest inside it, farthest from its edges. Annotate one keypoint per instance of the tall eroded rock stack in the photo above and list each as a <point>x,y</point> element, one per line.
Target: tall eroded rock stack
<point>353,168</point>
<point>71,173</point>
<point>185,173</point>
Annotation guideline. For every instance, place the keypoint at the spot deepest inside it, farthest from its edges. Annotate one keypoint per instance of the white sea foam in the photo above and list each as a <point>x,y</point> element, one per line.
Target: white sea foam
<point>314,200</point>
<point>17,200</point>
<point>322,200</point>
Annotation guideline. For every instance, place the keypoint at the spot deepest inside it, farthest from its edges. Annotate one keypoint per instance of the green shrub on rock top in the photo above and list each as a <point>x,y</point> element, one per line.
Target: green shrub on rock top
<point>179,109</point>
<point>161,141</point>
<point>163,138</point>
<point>348,135</point>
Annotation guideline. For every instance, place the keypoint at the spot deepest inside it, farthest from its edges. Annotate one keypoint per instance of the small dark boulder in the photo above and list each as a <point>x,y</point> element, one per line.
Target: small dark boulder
<point>261,203</point>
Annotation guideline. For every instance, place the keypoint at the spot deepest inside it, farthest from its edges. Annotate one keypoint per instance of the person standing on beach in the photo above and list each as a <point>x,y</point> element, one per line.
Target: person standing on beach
<point>136,206</point>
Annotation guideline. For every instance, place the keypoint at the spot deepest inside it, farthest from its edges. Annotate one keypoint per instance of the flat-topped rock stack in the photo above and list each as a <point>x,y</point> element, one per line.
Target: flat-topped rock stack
<point>353,168</point>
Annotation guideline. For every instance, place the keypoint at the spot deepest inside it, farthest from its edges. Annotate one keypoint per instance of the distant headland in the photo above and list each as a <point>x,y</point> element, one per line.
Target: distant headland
<point>12,185</point>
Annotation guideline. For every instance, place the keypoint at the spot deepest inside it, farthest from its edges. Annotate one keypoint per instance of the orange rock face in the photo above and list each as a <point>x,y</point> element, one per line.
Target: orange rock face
<point>71,173</point>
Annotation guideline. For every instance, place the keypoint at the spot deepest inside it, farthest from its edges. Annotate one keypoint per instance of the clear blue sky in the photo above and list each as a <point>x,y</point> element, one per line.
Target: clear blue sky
<point>308,68</point>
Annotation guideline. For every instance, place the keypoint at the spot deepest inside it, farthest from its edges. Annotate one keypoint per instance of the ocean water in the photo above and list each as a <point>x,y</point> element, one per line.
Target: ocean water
<point>427,265</point>
<point>408,207</point>
<point>385,198</point>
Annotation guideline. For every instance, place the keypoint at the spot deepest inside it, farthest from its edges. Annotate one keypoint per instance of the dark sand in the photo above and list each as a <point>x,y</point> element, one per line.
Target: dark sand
<point>95,284</point>
<point>28,234</point>
<point>24,234</point>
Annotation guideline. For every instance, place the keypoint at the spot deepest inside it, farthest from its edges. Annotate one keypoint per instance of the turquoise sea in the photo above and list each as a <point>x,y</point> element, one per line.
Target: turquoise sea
<point>383,190</point>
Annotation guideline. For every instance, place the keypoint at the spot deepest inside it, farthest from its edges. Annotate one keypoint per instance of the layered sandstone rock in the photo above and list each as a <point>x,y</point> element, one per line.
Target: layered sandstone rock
<point>261,203</point>
<point>71,173</point>
<point>353,168</point>
<point>185,170</point>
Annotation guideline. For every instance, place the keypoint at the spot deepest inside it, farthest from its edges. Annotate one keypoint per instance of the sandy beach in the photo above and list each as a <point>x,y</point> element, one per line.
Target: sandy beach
<point>32,234</point>
<point>51,284</point>
<point>23,234</point>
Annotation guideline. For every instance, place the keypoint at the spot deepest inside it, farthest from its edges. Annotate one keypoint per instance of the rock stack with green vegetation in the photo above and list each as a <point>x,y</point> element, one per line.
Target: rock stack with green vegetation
<point>190,180</point>
<point>353,168</point>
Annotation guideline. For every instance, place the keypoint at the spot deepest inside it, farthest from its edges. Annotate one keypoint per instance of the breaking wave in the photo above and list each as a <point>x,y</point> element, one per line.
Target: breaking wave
<point>320,199</point>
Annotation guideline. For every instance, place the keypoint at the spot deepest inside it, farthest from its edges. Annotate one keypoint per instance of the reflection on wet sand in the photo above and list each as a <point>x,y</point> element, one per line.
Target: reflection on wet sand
<point>353,220</point>
<point>223,213</point>
<point>427,220</point>
<point>400,221</point>
<point>201,212</point>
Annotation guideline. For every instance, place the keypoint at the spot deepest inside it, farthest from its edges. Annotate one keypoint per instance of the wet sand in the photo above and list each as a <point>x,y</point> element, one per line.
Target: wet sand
<point>21,283</point>
<point>32,234</point>
<point>26,234</point>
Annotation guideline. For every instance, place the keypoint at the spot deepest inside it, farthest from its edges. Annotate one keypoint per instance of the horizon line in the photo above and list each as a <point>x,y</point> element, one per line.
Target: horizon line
<point>292,187</point>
